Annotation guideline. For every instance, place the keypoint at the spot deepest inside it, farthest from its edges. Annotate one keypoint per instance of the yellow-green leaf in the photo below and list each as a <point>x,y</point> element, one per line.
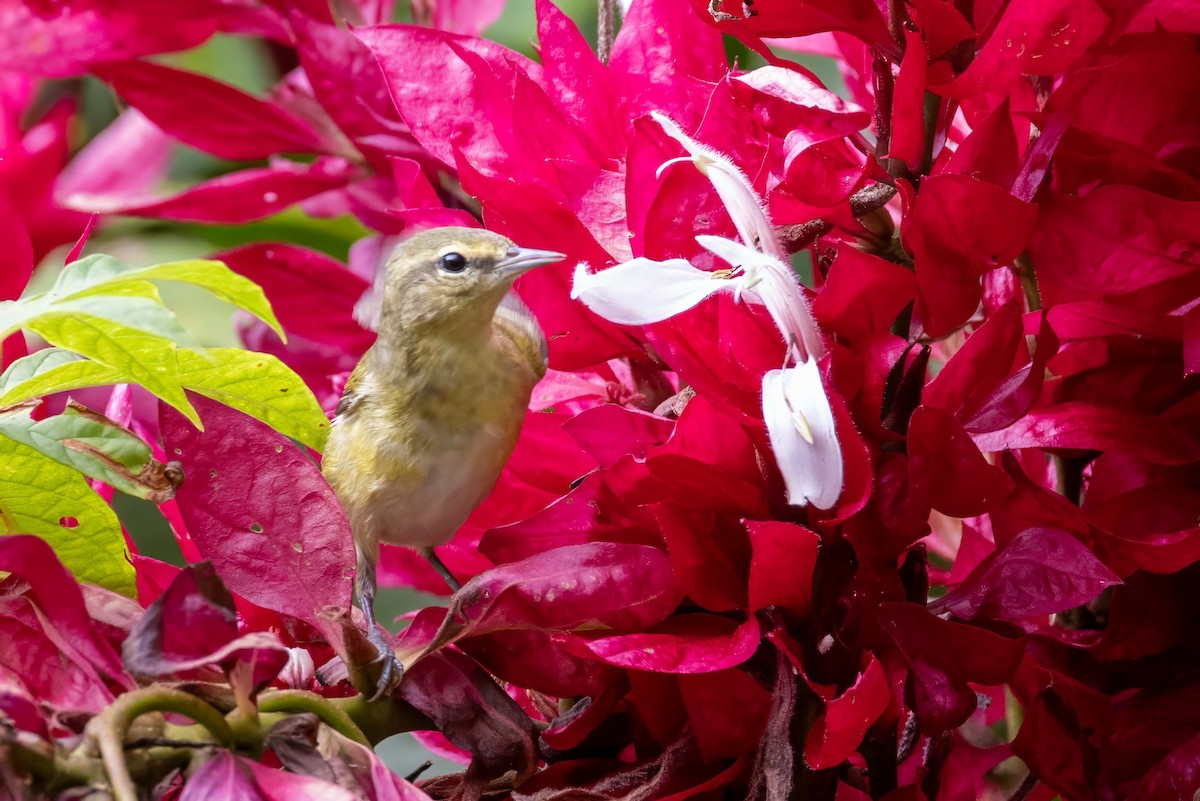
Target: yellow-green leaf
<point>40,496</point>
<point>94,445</point>
<point>51,370</point>
<point>105,276</point>
<point>146,359</point>
<point>220,281</point>
<point>259,385</point>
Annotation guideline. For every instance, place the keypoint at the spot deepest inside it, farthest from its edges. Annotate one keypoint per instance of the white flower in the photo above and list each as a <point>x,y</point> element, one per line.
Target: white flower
<point>769,281</point>
<point>299,671</point>
<point>641,291</point>
<point>732,185</point>
<point>794,404</point>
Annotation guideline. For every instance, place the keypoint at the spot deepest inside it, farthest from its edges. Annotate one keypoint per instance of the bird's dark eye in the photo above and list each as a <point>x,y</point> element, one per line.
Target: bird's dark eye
<point>453,262</point>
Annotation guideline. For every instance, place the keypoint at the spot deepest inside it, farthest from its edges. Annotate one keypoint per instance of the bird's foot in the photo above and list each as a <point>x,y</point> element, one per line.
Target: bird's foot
<point>391,670</point>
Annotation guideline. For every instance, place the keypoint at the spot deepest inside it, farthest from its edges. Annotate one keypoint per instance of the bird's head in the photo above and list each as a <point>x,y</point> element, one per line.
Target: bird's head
<point>453,278</point>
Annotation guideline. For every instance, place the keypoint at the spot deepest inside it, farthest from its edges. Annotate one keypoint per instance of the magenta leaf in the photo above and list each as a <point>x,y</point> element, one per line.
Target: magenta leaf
<point>1089,426</point>
<point>237,197</point>
<point>239,779</point>
<point>946,466</point>
<point>691,643</point>
<point>431,74</point>
<point>193,625</point>
<point>474,713</point>
<point>312,294</point>
<point>1016,394</point>
<point>608,432</point>
<point>1054,742</point>
<point>728,711</point>
<point>347,82</point>
<point>258,508</point>
<point>600,584</point>
<point>21,708</point>
<point>571,520</point>
<point>942,24</point>
<point>577,81</point>
<point>908,117</point>
<point>990,151</point>
<point>782,565</point>
<point>224,776</point>
<point>16,264</point>
<point>58,598</point>
<point>1033,37</point>
<point>788,98</point>
<point>863,294</point>
<point>982,364</point>
<point>61,44</point>
<point>34,658</point>
<point>664,55</point>
<point>466,16</point>
<point>861,18</point>
<point>839,730</point>
<point>709,554</point>
<point>1039,572</point>
<point>538,659</point>
<point>953,239</point>
<point>943,657</point>
<point>1113,241</point>
<point>212,116</point>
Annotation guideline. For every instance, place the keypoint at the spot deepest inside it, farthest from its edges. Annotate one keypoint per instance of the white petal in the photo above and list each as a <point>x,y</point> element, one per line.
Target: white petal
<point>644,291</point>
<point>793,401</point>
<point>789,308</point>
<point>733,187</point>
<point>735,253</point>
<point>772,281</point>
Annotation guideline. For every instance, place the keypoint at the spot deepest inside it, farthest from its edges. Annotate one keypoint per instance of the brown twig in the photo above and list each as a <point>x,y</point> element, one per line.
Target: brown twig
<point>606,13</point>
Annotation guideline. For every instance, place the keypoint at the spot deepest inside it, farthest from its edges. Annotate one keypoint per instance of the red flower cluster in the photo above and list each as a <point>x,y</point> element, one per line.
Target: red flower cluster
<point>1003,229</point>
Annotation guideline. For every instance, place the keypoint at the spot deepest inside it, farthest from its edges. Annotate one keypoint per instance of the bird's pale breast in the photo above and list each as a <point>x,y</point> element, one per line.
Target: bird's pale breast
<point>417,452</point>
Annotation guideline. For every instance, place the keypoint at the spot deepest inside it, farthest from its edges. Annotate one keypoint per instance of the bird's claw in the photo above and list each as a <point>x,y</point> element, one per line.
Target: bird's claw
<point>392,670</point>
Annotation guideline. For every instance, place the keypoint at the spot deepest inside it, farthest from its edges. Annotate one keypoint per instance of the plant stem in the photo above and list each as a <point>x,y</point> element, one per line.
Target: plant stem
<point>106,732</point>
<point>296,701</point>
<point>1023,267</point>
<point>378,720</point>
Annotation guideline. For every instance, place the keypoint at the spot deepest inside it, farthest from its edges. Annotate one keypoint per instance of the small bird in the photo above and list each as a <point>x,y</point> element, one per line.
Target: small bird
<point>431,413</point>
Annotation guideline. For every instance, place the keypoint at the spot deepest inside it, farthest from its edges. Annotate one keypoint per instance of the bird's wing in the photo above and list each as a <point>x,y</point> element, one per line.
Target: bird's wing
<point>515,320</point>
<point>350,396</point>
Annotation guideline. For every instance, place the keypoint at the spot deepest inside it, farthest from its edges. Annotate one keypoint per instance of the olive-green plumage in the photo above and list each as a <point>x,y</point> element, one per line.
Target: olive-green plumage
<point>432,411</point>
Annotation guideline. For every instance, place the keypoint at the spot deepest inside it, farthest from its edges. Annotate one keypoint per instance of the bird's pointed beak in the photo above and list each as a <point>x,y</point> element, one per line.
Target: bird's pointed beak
<point>519,261</point>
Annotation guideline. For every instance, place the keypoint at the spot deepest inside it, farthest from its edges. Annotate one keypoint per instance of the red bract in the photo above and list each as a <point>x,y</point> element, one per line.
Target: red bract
<point>47,38</point>
<point>1039,572</point>
<point>208,115</point>
<point>238,196</point>
<point>246,499</point>
<point>193,625</point>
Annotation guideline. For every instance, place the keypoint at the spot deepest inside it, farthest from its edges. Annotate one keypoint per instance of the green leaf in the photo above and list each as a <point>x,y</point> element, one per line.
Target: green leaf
<point>53,370</point>
<point>144,358</point>
<point>222,282</point>
<point>131,311</point>
<point>259,385</point>
<point>40,496</point>
<point>93,445</point>
<point>104,275</point>
<point>91,285</point>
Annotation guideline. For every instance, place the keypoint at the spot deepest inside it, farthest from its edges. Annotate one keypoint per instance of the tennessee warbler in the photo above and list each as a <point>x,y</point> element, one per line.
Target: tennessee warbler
<point>432,411</point>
